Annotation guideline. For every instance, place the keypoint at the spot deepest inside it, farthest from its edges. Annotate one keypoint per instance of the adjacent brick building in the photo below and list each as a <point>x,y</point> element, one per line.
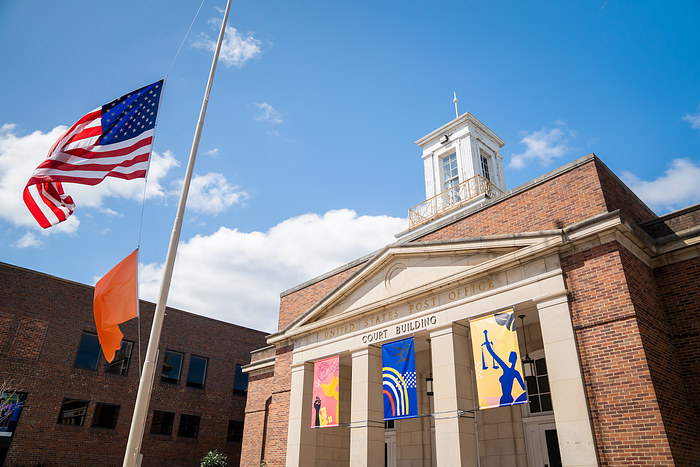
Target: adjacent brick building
<point>77,409</point>
<point>609,293</point>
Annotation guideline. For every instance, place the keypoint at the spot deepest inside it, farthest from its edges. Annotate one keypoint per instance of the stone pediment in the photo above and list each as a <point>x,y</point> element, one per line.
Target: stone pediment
<point>401,271</point>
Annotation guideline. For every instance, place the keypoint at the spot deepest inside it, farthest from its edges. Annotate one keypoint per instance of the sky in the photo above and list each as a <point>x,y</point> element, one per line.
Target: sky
<point>307,159</point>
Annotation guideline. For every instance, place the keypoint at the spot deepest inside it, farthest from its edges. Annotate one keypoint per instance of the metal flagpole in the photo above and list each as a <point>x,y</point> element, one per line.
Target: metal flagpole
<point>138,422</point>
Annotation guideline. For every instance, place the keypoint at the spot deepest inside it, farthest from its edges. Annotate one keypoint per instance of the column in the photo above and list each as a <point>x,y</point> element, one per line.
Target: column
<point>455,438</point>
<point>301,438</point>
<point>367,409</point>
<point>568,397</point>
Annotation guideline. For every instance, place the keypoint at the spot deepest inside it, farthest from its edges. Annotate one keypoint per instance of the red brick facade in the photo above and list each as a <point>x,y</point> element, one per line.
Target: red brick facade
<point>636,327</point>
<point>42,319</point>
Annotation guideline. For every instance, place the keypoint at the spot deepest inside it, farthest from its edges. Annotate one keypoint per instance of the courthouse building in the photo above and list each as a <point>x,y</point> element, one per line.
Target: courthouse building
<point>606,295</point>
<point>72,408</point>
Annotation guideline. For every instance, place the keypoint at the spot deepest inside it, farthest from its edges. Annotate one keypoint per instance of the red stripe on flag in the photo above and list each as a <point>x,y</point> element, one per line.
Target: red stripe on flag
<point>88,154</point>
<point>63,167</point>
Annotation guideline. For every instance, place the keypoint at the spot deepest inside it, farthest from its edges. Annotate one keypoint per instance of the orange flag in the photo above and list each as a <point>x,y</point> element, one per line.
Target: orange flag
<point>115,303</point>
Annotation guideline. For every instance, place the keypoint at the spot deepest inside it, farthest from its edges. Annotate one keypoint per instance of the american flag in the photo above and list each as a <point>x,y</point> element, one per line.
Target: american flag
<point>114,140</point>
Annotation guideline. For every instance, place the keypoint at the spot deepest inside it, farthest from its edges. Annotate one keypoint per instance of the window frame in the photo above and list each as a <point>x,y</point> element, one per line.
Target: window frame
<point>167,379</point>
<point>536,356</point>
<point>162,414</point>
<point>68,400</point>
<point>188,419</point>
<point>453,181</point>
<point>236,391</point>
<point>128,360</point>
<point>97,410</point>
<point>234,430</point>
<point>485,166</point>
<point>98,351</point>
<point>191,384</point>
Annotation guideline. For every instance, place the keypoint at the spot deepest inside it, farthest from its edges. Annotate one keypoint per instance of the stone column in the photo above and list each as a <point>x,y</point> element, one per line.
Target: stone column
<point>367,409</point>
<point>455,438</point>
<point>301,438</point>
<point>566,384</point>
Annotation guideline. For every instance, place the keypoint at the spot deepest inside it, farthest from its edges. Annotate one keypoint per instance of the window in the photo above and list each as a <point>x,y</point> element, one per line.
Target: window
<point>120,364</point>
<point>449,171</point>
<point>389,425</point>
<point>189,426</point>
<point>105,415</point>
<point>198,372</point>
<point>485,168</point>
<point>162,423</point>
<point>240,383</point>
<point>235,431</point>
<point>538,389</point>
<point>172,361</point>
<point>73,412</point>
<point>88,352</point>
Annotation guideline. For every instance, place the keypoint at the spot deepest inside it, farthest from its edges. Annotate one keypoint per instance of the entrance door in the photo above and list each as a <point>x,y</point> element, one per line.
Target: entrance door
<point>550,445</point>
<point>390,449</point>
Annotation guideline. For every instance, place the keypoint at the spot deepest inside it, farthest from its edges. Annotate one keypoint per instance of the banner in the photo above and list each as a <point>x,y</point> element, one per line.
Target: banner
<point>399,380</point>
<point>325,395</point>
<point>499,374</point>
<point>10,409</point>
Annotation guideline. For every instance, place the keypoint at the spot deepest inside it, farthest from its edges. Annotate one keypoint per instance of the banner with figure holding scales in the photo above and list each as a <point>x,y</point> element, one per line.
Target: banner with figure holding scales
<point>499,374</point>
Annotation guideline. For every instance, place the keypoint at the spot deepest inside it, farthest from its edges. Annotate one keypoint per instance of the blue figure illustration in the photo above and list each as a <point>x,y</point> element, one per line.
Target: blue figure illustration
<point>510,374</point>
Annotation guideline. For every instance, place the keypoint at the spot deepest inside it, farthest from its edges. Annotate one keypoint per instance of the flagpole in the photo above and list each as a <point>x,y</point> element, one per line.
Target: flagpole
<point>138,423</point>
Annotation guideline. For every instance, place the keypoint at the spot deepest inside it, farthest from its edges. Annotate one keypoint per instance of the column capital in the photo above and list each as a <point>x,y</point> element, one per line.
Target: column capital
<point>449,328</point>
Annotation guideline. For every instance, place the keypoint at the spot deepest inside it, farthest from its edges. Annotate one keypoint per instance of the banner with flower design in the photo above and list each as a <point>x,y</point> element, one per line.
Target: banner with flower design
<point>326,392</point>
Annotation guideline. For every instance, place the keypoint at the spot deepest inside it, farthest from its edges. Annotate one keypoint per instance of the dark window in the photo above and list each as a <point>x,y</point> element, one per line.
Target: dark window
<point>389,424</point>
<point>538,388</point>
<point>189,426</point>
<point>73,412</point>
<point>235,431</point>
<point>105,415</point>
<point>172,362</point>
<point>485,168</point>
<point>88,352</point>
<point>198,372</point>
<point>120,364</point>
<point>162,423</point>
<point>240,383</point>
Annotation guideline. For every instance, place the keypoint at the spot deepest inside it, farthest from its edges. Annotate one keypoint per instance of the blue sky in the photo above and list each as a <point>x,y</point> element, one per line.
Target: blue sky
<point>307,159</point>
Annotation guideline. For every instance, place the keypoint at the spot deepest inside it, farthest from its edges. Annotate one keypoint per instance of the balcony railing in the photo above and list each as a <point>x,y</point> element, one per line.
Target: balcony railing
<point>449,200</point>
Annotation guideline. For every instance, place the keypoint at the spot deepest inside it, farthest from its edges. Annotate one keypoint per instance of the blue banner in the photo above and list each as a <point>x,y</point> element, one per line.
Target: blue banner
<point>399,380</point>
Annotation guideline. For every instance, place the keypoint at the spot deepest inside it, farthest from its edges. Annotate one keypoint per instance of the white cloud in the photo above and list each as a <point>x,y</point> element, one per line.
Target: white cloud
<point>236,49</point>
<point>675,189</point>
<point>237,277</point>
<point>693,119</point>
<point>212,194</point>
<point>213,153</point>
<point>29,240</point>
<point>543,146</point>
<point>20,155</point>
<point>269,114</point>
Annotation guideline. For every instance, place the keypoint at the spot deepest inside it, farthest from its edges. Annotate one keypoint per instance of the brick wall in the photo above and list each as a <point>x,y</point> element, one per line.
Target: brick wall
<point>296,303</point>
<point>626,416</point>
<point>42,319</point>
<point>256,425</point>
<point>679,290</point>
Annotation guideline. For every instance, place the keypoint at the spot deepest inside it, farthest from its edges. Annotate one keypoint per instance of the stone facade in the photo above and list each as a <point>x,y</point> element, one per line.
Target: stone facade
<point>42,320</point>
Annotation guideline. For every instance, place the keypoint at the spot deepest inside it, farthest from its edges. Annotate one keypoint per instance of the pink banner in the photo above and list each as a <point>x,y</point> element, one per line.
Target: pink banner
<point>325,396</point>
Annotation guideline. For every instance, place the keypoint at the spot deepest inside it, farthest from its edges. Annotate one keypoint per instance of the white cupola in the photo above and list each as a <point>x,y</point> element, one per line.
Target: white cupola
<point>459,151</point>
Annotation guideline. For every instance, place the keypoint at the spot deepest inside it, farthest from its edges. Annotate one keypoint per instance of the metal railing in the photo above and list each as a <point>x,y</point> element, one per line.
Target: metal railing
<point>449,200</point>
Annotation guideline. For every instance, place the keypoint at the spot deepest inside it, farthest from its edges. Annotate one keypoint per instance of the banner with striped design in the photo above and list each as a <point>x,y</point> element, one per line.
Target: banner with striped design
<point>114,140</point>
<point>399,380</point>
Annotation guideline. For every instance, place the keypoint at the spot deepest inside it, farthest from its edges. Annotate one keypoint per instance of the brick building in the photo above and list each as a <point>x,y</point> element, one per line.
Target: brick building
<point>608,293</point>
<point>77,409</point>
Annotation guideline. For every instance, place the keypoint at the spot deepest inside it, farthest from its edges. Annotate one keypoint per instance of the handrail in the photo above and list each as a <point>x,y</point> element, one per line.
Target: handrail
<point>451,199</point>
